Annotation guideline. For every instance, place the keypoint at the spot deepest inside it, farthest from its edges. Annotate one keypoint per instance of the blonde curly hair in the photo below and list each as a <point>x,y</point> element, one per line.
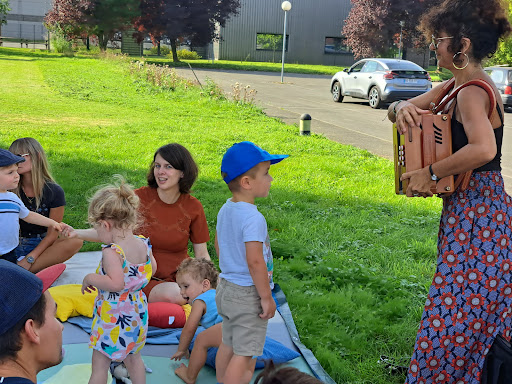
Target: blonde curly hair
<point>199,270</point>
<point>116,202</point>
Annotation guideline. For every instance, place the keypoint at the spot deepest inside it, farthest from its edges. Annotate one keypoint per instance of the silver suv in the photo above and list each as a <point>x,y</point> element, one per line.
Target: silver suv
<point>380,81</point>
<point>502,77</point>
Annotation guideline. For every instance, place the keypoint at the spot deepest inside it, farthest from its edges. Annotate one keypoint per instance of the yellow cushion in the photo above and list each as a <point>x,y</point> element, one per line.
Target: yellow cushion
<point>71,302</point>
<point>187,308</point>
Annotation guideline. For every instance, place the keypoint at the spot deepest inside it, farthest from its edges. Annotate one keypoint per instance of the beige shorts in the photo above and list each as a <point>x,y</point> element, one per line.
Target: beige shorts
<point>242,327</point>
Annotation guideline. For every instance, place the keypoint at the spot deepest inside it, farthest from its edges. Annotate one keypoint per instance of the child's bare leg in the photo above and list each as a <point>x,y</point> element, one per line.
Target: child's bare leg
<point>211,337</point>
<point>223,358</point>
<point>136,369</point>
<point>100,366</point>
<point>250,372</point>
<point>238,370</point>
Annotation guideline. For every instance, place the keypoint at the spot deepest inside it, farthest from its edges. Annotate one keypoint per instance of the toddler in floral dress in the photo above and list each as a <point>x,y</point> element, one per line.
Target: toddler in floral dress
<point>120,317</point>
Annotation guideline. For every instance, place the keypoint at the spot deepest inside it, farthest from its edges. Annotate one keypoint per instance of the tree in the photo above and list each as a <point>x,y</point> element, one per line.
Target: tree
<point>102,18</point>
<point>192,20</point>
<point>503,54</point>
<point>373,26</point>
<point>4,8</point>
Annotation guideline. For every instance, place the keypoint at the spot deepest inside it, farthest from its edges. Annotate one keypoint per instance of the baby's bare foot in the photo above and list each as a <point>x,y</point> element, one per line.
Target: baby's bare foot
<point>181,372</point>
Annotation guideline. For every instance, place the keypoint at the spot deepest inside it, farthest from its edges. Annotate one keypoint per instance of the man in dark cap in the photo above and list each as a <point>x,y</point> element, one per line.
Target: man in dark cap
<point>30,335</point>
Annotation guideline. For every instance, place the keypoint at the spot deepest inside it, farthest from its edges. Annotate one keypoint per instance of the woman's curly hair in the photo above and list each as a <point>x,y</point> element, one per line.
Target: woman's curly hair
<point>483,22</point>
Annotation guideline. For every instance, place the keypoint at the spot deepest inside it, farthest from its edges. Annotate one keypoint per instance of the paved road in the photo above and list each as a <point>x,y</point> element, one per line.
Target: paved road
<point>351,122</point>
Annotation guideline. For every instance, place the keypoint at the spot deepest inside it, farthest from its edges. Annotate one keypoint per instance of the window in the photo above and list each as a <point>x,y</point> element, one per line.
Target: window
<point>271,42</point>
<point>371,66</point>
<point>357,67</point>
<point>496,75</point>
<point>334,45</point>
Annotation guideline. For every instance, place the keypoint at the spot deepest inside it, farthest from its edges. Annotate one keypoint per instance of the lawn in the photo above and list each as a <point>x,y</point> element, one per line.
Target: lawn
<point>354,259</point>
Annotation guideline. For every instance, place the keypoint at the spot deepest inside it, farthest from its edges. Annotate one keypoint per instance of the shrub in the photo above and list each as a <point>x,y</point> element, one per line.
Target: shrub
<point>60,44</point>
<point>164,50</point>
<point>184,54</point>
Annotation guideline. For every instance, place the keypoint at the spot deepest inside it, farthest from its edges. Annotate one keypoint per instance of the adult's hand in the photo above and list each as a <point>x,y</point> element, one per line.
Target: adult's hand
<point>24,264</point>
<point>419,182</point>
<point>408,116</point>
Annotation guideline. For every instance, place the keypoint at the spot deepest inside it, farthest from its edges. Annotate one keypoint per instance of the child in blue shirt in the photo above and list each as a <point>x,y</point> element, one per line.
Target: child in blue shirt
<point>12,208</point>
<point>197,279</point>
<point>244,294</point>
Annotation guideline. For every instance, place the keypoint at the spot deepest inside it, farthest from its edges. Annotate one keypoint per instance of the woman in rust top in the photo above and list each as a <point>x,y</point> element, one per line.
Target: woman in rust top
<point>171,218</point>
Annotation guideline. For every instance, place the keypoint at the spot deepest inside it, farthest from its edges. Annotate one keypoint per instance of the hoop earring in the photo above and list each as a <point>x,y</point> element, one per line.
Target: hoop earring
<point>458,53</point>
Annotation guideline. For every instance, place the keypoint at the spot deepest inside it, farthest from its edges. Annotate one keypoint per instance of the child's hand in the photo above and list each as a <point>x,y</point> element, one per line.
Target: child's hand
<point>269,308</point>
<point>55,225</point>
<point>86,285</point>
<point>68,231</point>
<point>180,355</point>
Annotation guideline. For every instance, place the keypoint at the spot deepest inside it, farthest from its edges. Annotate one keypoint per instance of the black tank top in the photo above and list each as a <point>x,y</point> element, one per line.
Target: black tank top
<point>459,140</point>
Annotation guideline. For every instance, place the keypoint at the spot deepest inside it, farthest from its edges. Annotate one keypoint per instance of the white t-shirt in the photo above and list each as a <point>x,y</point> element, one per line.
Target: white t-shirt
<point>238,223</point>
<point>11,211</point>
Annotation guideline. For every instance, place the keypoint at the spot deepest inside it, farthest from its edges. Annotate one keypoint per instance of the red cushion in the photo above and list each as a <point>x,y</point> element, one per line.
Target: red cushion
<point>166,315</point>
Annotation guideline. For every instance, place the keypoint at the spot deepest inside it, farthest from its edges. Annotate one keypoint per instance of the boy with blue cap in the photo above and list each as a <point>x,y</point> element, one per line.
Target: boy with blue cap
<point>30,335</point>
<point>244,293</point>
<point>12,208</point>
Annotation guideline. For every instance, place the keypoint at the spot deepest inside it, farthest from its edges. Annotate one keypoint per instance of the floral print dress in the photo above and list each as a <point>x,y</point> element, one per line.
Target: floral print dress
<point>469,301</point>
<point>120,319</point>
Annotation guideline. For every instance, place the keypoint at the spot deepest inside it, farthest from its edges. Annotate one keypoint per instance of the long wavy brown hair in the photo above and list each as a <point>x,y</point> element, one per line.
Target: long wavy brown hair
<point>40,167</point>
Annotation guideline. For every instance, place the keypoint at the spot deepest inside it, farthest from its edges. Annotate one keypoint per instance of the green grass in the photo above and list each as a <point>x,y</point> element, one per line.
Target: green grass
<point>439,75</point>
<point>354,259</point>
<point>248,66</point>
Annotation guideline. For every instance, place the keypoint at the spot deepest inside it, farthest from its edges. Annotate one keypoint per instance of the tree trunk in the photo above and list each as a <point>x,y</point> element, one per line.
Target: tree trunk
<point>88,43</point>
<point>404,53</point>
<point>174,51</point>
<point>102,42</point>
<point>158,48</point>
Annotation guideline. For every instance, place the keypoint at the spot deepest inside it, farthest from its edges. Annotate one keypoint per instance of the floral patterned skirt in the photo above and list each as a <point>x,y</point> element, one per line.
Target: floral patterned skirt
<point>469,301</point>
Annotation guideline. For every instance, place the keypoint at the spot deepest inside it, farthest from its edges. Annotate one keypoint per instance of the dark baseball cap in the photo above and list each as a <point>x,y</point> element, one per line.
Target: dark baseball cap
<point>243,156</point>
<point>8,158</point>
<point>21,289</point>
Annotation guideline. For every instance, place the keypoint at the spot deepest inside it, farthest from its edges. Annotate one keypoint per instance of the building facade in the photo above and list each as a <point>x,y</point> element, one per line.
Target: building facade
<point>25,20</point>
<point>313,32</point>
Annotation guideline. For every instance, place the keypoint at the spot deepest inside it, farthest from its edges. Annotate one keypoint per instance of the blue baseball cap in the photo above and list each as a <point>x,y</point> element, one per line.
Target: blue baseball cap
<point>21,289</point>
<point>8,158</point>
<point>243,156</point>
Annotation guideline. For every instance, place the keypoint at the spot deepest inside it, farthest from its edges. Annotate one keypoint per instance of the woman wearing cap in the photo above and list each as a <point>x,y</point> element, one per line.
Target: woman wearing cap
<point>171,218</point>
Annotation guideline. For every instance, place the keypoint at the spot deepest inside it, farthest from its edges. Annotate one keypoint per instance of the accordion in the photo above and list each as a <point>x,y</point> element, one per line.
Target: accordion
<point>432,142</point>
<point>422,146</point>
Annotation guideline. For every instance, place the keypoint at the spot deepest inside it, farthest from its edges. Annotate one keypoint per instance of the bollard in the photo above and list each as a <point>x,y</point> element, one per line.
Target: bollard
<point>305,125</point>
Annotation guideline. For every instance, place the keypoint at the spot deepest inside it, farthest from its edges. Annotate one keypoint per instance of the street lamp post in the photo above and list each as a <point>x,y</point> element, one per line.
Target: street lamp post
<point>286,6</point>
<point>402,24</point>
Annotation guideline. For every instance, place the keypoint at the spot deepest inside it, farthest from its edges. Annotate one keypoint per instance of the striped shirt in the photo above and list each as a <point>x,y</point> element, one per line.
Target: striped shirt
<point>11,210</point>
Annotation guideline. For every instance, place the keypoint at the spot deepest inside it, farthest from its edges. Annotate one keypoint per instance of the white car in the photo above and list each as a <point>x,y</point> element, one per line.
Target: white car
<point>380,81</point>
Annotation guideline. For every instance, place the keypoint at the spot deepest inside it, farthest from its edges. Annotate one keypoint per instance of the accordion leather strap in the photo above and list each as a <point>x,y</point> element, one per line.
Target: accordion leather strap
<point>441,100</point>
<point>440,103</point>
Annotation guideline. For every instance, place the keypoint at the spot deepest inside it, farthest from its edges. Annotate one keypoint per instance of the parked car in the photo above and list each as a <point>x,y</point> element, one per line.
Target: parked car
<point>380,81</point>
<point>502,77</point>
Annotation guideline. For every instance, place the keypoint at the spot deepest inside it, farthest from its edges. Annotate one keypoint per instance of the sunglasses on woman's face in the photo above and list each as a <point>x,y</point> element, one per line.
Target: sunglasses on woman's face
<point>437,40</point>
<point>23,154</point>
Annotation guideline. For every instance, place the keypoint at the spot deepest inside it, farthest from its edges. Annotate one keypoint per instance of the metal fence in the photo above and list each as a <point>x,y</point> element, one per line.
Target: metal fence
<point>21,34</point>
